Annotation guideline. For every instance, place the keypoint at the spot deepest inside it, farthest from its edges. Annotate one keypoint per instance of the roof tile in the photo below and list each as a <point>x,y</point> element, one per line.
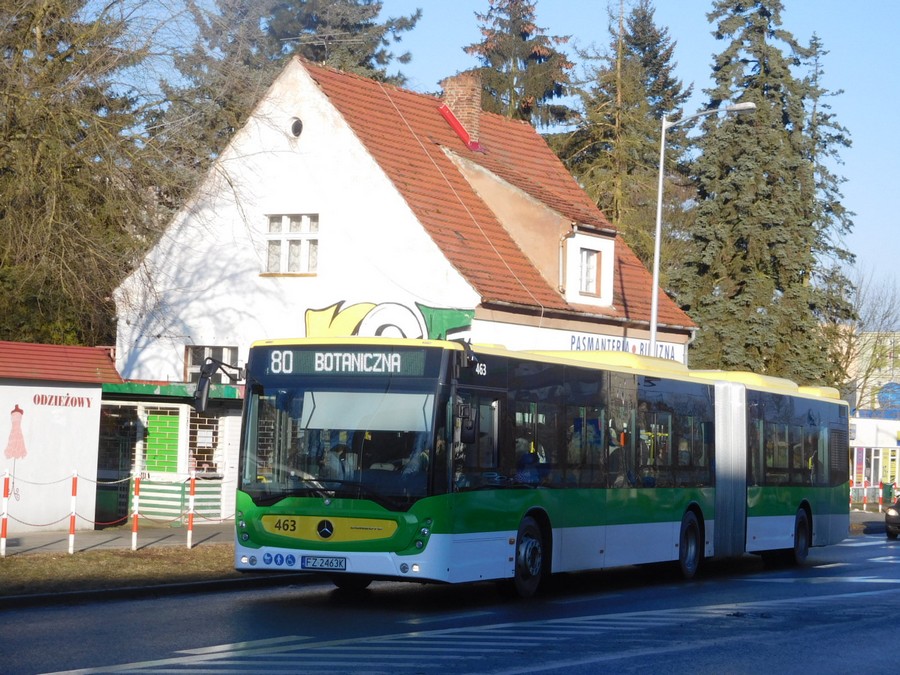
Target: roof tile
<point>56,363</point>
<point>406,134</point>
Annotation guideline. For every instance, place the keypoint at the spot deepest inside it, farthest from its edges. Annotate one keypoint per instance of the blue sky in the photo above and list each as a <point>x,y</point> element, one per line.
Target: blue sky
<point>864,53</point>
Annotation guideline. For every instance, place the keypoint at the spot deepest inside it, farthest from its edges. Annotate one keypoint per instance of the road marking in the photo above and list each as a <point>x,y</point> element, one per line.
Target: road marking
<point>406,652</point>
<point>860,543</point>
<point>252,644</point>
<point>825,580</point>
<point>444,617</point>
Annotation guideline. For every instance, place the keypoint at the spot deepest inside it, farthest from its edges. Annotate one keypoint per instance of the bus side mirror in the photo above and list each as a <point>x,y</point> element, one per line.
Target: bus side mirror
<point>468,423</point>
<point>207,370</point>
<point>201,394</point>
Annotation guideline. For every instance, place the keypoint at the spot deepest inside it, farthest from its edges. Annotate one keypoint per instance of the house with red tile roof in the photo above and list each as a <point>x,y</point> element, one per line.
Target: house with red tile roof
<point>346,206</point>
<point>50,410</point>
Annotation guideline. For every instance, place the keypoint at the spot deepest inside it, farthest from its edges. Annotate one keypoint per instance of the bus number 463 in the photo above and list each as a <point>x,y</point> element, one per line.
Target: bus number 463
<point>286,525</point>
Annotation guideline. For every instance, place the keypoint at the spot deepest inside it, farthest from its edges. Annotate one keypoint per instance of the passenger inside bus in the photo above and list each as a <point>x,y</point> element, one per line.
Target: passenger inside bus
<point>338,463</point>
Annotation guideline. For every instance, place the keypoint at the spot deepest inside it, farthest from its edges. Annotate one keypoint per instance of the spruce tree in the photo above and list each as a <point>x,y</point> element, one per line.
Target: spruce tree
<point>523,72</point>
<point>747,279</point>
<point>342,34</point>
<point>614,150</point>
<point>837,304</point>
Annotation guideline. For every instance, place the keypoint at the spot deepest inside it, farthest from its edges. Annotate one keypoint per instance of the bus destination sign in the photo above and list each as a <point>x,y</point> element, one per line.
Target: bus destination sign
<point>408,363</point>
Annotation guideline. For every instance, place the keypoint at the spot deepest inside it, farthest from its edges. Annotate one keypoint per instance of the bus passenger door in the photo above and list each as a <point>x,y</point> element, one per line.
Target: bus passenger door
<point>731,469</point>
<point>475,447</point>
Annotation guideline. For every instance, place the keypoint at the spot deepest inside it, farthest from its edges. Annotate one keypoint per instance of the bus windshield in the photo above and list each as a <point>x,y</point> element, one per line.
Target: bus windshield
<point>363,443</point>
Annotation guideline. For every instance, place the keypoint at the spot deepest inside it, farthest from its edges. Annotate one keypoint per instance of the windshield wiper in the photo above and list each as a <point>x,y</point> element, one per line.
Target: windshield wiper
<point>357,490</point>
<point>303,488</point>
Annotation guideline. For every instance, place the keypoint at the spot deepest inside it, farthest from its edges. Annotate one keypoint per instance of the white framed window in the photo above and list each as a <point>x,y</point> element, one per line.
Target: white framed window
<point>588,269</point>
<point>292,244</point>
<point>589,272</point>
<point>195,356</point>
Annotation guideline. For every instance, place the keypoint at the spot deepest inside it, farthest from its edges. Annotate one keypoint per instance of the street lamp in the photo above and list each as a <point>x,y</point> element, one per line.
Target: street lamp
<point>666,124</point>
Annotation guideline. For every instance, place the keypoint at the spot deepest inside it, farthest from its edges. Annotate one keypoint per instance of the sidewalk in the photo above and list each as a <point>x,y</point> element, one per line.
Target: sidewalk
<point>861,522</point>
<point>149,534</point>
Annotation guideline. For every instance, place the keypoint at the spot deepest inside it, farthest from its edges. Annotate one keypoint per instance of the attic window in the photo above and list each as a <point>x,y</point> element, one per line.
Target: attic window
<point>292,244</point>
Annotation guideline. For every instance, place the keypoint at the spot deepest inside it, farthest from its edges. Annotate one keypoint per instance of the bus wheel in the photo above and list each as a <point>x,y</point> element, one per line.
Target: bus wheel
<point>351,582</point>
<point>690,550</point>
<point>801,538</point>
<point>529,558</point>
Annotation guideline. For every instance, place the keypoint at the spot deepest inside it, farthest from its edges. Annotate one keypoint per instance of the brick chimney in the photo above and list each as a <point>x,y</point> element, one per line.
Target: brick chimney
<point>462,100</point>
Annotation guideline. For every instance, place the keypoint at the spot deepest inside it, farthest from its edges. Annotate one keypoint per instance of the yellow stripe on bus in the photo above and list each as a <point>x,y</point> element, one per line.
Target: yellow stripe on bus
<point>339,529</point>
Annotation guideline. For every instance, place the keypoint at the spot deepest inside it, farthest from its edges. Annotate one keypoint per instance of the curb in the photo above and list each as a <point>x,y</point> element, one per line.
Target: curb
<point>132,592</point>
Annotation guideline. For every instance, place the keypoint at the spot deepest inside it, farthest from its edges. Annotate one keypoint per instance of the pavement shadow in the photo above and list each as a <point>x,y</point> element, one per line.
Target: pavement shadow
<point>873,525</point>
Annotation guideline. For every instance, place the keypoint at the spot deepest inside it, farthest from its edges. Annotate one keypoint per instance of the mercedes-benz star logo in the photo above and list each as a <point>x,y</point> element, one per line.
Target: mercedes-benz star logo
<point>325,529</point>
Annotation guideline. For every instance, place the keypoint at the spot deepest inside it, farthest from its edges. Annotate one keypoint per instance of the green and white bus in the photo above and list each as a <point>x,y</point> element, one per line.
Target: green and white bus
<point>437,461</point>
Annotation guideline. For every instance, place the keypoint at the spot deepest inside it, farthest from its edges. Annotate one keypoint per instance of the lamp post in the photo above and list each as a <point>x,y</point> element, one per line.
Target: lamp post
<point>666,124</point>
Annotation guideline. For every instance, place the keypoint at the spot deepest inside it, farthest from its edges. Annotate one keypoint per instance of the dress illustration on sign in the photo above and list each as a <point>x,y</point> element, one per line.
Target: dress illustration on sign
<point>15,447</point>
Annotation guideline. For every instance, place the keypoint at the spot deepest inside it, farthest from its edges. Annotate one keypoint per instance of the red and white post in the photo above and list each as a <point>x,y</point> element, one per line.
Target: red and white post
<point>135,511</point>
<point>190,524</point>
<point>72,512</point>
<point>4,517</point>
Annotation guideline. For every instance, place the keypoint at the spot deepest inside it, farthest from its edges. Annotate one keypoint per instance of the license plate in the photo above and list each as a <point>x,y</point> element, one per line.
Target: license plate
<point>311,562</point>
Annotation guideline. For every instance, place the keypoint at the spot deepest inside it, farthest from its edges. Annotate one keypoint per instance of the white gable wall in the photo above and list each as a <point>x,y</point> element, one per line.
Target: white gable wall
<point>202,283</point>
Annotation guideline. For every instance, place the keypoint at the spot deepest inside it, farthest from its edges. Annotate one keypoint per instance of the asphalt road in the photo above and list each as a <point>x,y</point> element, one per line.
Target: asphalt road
<point>737,617</point>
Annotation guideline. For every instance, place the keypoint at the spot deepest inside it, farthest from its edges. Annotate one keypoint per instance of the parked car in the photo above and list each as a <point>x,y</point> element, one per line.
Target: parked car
<point>892,520</point>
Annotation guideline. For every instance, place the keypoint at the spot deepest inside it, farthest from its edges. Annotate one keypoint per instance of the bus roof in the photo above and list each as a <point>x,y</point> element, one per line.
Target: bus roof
<point>617,360</point>
<point>823,392</point>
<point>610,359</point>
<point>750,379</point>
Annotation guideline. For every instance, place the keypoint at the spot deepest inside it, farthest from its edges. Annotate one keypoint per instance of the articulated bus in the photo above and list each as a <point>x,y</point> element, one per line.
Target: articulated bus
<point>438,461</point>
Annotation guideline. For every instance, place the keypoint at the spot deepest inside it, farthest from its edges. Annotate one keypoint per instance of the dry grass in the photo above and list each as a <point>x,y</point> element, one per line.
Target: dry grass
<point>33,573</point>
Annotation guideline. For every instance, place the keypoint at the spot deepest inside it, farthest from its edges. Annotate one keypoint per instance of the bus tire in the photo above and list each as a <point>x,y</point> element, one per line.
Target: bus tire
<point>801,538</point>
<point>351,582</point>
<point>690,548</point>
<point>529,569</point>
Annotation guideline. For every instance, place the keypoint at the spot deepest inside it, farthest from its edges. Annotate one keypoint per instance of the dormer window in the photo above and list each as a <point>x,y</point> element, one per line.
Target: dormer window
<point>589,268</point>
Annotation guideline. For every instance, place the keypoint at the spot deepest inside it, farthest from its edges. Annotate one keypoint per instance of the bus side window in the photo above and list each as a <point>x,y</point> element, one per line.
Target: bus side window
<point>475,444</point>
